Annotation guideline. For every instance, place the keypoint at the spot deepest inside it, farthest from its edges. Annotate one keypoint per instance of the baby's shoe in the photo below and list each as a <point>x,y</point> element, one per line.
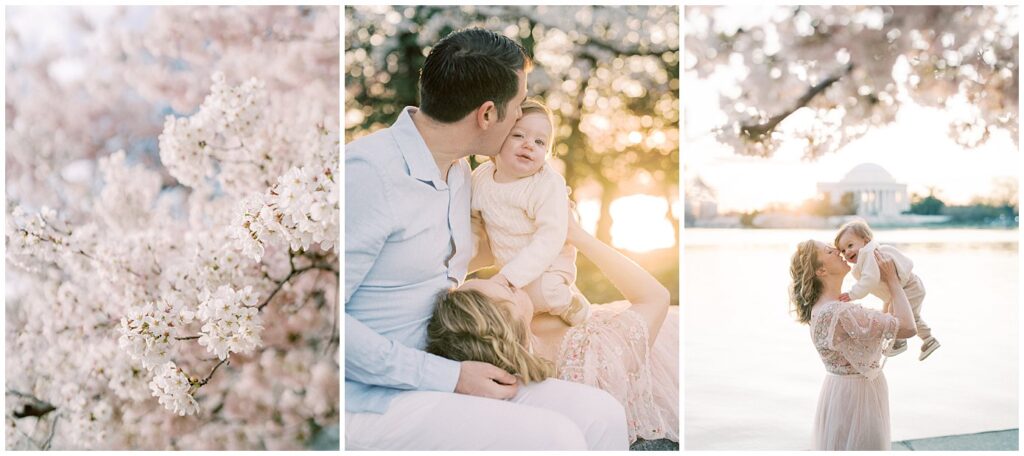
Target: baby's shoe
<point>929,345</point>
<point>578,312</point>
<point>899,346</point>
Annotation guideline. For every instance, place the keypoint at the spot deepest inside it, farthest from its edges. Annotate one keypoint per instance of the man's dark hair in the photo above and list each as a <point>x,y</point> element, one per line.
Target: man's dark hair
<point>467,68</point>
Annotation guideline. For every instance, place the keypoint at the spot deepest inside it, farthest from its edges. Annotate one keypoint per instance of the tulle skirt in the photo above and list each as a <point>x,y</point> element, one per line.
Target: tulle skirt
<point>853,414</point>
<point>665,370</point>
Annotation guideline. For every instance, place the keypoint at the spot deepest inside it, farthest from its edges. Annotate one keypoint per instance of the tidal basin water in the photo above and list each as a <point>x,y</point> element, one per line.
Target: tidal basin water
<point>752,376</point>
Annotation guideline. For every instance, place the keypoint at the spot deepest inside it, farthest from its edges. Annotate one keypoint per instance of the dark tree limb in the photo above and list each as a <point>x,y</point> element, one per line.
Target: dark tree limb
<point>34,407</point>
<point>759,132</point>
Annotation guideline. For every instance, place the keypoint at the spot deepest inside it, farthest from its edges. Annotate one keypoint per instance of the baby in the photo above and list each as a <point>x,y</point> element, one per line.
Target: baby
<point>522,206</point>
<point>856,242</point>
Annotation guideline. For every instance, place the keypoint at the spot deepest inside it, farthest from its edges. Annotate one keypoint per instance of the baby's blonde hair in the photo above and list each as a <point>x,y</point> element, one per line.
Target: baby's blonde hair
<point>858,227</point>
<point>535,106</point>
<point>806,287</point>
<point>468,326</point>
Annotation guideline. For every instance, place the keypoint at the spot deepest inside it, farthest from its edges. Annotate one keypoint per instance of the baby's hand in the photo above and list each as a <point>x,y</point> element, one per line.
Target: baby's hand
<point>845,297</point>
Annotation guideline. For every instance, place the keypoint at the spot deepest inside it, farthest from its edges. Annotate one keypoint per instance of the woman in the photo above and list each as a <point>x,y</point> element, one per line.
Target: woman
<point>853,407</point>
<point>618,349</point>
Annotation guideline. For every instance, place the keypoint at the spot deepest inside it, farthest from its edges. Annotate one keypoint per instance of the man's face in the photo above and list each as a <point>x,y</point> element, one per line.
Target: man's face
<point>495,136</point>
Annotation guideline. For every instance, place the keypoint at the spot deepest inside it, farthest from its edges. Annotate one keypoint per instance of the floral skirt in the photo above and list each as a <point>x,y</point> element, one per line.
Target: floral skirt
<point>610,351</point>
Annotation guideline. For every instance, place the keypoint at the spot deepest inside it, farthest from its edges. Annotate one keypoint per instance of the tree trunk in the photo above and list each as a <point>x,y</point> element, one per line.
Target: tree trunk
<point>672,218</point>
<point>604,220</point>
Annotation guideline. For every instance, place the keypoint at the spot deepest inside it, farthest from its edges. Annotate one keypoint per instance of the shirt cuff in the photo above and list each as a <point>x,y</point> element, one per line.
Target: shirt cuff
<point>440,374</point>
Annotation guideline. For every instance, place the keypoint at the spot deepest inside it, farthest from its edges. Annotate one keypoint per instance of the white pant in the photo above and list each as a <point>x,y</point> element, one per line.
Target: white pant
<point>551,415</point>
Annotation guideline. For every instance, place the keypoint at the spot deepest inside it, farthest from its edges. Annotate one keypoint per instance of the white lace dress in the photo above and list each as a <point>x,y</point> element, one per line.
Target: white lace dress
<point>610,351</point>
<point>853,407</point>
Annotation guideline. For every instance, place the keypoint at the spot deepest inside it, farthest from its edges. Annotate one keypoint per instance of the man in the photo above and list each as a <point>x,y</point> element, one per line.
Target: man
<point>408,237</point>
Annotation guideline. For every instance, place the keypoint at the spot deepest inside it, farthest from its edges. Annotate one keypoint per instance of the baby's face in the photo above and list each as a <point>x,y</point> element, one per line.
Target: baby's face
<point>526,146</point>
<point>850,245</point>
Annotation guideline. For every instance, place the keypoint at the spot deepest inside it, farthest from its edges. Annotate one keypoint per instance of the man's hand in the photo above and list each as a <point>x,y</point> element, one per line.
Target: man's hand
<point>485,380</point>
<point>845,297</point>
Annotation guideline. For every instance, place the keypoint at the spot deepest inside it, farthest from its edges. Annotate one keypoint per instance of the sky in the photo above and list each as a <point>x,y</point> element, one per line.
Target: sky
<point>914,149</point>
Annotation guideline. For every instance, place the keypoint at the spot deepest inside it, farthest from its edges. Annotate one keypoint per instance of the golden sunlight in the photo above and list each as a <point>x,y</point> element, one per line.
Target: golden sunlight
<point>638,222</point>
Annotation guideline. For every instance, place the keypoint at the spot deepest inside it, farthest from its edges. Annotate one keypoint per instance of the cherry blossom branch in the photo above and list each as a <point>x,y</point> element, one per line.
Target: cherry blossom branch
<point>59,242</point>
<point>294,272</point>
<point>280,284</point>
<point>758,132</point>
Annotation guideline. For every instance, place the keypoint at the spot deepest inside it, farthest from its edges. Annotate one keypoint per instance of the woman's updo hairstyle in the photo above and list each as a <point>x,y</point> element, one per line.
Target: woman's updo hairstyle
<point>806,287</point>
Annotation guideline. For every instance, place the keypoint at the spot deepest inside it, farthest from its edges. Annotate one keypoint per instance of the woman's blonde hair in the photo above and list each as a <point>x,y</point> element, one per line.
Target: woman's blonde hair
<point>806,287</point>
<point>858,227</point>
<point>535,106</point>
<point>468,326</point>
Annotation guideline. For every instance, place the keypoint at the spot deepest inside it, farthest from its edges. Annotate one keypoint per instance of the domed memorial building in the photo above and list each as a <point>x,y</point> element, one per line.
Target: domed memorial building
<point>875,192</point>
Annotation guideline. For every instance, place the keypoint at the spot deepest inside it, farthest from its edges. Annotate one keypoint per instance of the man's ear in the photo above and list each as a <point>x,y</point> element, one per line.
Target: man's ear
<point>486,115</point>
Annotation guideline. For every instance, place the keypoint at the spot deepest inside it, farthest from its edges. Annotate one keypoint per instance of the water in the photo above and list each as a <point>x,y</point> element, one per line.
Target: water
<point>753,376</point>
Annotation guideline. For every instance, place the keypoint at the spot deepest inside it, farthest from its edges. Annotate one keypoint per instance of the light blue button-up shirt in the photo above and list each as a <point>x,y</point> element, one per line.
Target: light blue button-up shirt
<point>407,238</point>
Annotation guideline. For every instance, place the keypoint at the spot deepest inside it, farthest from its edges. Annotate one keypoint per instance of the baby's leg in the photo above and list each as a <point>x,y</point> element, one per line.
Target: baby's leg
<point>554,294</point>
<point>561,274</point>
<point>923,330</point>
<point>578,309</point>
<point>915,295</point>
<point>549,293</point>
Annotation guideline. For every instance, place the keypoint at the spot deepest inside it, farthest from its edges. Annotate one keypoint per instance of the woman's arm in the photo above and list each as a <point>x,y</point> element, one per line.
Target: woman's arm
<point>648,297</point>
<point>482,256</point>
<point>899,305</point>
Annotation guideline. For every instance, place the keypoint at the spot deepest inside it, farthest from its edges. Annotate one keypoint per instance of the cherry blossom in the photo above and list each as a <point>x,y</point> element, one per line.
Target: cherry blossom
<point>135,320</point>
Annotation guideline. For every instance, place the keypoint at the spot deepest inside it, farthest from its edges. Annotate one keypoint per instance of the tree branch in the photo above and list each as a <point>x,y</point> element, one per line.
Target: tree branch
<point>210,375</point>
<point>53,429</point>
<point>293,273</point>
<point>35,407</point>
<point>759,132</point>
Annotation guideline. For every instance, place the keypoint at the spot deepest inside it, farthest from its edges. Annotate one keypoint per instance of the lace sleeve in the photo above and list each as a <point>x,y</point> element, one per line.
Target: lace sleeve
<point>861,335</point>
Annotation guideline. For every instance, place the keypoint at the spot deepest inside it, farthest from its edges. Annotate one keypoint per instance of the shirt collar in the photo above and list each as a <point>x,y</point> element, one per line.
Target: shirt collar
<point>414,149</point>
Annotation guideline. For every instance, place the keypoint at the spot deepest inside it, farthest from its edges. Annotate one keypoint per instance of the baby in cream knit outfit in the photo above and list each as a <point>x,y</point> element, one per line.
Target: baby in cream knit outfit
<point>856,242</point>
<point>521,204</point>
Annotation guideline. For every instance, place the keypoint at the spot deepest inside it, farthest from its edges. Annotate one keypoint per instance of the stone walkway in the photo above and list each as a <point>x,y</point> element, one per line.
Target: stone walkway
<point>982,441</point>
<point>654,445</point>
